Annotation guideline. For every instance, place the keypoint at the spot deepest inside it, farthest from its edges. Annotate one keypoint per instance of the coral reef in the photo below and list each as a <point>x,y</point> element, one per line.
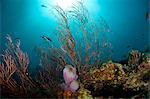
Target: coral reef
<point>105,80</point>
<point>113,75</point>
<point>95,79</point>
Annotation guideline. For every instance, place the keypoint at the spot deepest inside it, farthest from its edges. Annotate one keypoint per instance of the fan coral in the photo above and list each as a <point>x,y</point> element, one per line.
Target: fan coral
<point>15,63</point>
<point>134,59</point>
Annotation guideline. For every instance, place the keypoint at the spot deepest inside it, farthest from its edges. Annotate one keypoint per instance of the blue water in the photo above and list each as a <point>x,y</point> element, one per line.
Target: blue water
<point>27,20</point>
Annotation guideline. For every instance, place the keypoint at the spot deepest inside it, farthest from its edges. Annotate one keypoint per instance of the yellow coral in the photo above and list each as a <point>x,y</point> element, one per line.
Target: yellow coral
<point>84,93</point>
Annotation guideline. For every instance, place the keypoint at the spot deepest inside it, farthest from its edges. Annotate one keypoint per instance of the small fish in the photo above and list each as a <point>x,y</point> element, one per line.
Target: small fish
<point>147,16</point>
<point>44,6</point>
<point>46,38</point>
